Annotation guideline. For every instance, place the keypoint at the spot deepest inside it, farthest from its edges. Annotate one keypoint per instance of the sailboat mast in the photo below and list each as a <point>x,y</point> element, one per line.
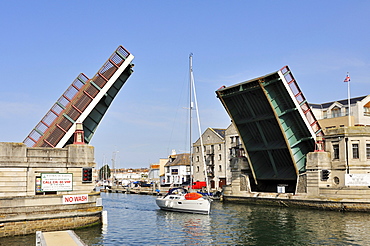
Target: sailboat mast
<point>190,115</point>
<point>192,87</point>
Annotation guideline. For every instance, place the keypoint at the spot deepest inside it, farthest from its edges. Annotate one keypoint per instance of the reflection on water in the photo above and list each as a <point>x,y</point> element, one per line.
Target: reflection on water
<point>187,229</point>
<point>136,220</point>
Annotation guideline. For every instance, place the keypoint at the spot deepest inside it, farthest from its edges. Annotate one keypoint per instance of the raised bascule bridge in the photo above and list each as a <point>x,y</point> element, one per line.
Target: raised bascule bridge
<point>276,126</point>
<point>85,101</point>
<point>50,178</point>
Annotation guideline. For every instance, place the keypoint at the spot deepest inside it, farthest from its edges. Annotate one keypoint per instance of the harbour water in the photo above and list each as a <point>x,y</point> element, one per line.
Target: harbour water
<point>136,220</point>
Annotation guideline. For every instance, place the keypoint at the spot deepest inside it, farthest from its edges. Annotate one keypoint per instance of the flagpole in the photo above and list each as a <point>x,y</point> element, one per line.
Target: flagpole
<point>349,102</point>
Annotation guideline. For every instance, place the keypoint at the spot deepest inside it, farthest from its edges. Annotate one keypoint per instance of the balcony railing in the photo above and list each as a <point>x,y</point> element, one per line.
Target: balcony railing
<point>333,116</point>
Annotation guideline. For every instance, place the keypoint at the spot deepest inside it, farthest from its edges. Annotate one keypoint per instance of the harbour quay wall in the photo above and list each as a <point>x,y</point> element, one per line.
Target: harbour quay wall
<point>18,215</point>
<point>41,189</point>
<point>289,201</point>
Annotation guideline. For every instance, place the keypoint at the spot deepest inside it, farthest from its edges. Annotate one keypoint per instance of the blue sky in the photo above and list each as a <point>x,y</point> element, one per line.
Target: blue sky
<point>44,45</point>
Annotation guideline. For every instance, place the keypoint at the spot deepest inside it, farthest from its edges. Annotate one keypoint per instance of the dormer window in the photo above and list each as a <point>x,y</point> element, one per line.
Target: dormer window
<point>367,109</point>
<point>335,112</point>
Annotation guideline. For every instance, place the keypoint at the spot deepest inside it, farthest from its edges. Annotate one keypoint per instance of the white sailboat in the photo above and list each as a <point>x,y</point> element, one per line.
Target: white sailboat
<point>179,199</point>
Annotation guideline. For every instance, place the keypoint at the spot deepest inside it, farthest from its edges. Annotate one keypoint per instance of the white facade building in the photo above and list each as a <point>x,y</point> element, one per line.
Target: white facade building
<point>335,114</point>
<point>177,170</point>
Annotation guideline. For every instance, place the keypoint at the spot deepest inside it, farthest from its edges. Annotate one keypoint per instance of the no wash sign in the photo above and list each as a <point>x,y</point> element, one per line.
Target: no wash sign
<point>73,199</point>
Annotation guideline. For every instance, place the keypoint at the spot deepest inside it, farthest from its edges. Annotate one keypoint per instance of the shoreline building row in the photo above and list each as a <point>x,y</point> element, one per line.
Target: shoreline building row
<point>222,150</point>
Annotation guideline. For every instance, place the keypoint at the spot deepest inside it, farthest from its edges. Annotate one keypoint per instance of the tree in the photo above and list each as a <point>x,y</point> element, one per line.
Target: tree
<point>104,172</point>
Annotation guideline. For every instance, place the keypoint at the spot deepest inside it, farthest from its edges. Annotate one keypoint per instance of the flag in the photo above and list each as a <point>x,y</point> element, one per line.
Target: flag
<point>347,79</point>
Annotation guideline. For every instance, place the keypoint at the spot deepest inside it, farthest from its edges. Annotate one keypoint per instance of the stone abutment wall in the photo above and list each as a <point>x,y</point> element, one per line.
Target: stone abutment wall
<point>29,203</point>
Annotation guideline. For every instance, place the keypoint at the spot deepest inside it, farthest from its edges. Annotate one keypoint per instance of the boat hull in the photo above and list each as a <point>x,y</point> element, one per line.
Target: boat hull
<point>200,206</point>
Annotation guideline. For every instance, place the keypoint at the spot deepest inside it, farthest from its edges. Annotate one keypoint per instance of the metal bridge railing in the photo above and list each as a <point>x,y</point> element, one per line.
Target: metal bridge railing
<point>302,101</point>
<point>64,113</point>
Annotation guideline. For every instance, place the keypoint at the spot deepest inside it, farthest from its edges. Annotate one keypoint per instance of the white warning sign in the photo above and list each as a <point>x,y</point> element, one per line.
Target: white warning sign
<point>56,182</point>
<point>357,179</point>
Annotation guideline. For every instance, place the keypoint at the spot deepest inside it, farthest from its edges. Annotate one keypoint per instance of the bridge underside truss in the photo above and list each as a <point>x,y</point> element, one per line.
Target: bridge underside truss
<point>276,126</point>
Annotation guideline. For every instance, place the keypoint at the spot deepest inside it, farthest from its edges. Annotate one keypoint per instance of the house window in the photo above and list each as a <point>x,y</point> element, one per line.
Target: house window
<point>231,139</point>
<point>219,157</point>
<point>197,169</point>
<point>198,149</point>
<point>336,151</point>
<point>368,151</point>
<point>355,153</point>
<point>220,168</point>
<point>197,158</point>
<point>325,114</point>
<point>232,152</point>
<point>174,171</point>
<point>187,169</point>
<point>219,147</point>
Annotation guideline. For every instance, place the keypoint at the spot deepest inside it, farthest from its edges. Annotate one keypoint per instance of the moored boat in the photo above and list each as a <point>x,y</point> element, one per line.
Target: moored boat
<point>180,200</point>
